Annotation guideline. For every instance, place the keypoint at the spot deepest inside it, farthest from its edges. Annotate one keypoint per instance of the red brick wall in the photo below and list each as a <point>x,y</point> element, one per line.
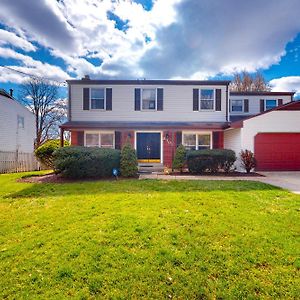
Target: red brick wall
<point>169,148</point>
<point>125,137</point>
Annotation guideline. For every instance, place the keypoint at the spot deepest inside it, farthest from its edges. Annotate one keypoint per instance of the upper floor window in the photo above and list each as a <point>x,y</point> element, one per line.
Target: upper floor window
<point>99,139</point>
<point>149,99</point>
<point>21,123</point>
<point>207,99</point>
<point>194,141</point>
<point>237,105</point>
<point>97,98</point>
<point>270,104</point>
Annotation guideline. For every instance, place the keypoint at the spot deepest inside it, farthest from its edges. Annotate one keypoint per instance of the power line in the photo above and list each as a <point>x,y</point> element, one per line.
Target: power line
<point>34,76</point>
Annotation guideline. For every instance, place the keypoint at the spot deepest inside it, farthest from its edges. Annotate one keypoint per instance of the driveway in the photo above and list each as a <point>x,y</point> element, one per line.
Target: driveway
<point>285,180</point>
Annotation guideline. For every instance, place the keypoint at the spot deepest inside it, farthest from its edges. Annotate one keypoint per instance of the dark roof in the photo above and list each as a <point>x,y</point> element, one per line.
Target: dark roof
<point>238,118</point>
<point>293,105</point>
<point>150,82</point>
<point>5,93</point>
<point>262,93</point>
<point>143,125</point>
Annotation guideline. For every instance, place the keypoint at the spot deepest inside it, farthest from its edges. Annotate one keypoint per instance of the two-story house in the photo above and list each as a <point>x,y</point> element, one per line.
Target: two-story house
<point>158,115</point>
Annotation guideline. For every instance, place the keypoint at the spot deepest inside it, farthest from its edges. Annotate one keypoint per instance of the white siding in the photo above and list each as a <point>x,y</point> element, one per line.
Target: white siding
<point>233,141</point>
<point>275,121</point>
<point>254,103</point>
<point>13,138</point>
<point>178,105</point>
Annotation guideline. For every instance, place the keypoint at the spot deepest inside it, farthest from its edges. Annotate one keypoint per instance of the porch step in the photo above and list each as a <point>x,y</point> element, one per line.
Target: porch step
<point>150,168</point>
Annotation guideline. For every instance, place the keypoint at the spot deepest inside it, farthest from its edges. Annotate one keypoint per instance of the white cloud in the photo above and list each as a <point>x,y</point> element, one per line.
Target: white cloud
<point>289,83</point>
<point>10,38</point>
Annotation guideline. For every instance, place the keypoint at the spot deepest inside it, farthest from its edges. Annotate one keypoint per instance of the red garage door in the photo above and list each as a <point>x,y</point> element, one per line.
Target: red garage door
<point>277,151</point>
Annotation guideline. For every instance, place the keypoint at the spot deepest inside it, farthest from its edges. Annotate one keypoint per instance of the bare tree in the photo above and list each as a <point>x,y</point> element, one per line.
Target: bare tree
<point>245,82</point>
<point>41,97</point>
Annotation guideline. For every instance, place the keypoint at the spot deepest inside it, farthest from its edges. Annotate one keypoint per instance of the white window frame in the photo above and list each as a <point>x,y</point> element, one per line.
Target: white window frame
<point>197,140</point>
<point>214,100</point>
<point>145,109</point>
<point>99,138</point>
<point>237,112</point>
<point>276,100</point>
<point>104,104</point>
<point>19,117</point>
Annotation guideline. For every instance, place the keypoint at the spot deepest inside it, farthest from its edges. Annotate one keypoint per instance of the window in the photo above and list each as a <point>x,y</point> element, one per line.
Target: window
<point>99,139</point>
<point>20,122</point>
<point>149,99</point>
<point>193,141</point>
<point>270,104</point>
<point>207,99</point>
<point>97,99</point>
<point>237,105</point>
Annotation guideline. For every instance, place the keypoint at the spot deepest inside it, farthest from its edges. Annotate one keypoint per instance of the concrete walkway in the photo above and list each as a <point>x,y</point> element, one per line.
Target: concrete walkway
<point>285,180</point>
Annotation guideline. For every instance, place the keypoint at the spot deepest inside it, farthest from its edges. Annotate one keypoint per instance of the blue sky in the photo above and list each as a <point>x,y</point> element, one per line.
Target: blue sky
<point>182,39</point>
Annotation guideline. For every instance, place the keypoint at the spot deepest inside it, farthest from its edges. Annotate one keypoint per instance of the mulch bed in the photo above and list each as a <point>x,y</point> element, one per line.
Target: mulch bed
<point>220,174</point>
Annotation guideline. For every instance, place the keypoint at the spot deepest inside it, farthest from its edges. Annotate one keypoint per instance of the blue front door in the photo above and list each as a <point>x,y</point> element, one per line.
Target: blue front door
<point>148,146</point>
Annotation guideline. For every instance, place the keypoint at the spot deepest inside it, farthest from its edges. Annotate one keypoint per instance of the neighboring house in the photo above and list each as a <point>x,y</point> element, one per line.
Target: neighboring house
<point>155,116</point>
<point>17,125</point>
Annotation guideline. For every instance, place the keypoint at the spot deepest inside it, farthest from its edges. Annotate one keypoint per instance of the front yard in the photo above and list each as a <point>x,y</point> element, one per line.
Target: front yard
<point>148,239</point>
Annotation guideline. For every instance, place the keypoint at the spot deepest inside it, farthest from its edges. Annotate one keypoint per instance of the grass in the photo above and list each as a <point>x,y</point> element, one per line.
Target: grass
<point>148,239</point>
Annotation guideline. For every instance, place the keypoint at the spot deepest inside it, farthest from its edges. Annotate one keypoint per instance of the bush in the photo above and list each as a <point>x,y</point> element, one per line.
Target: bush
<point>83,162</point>
<point>44,153</point>
<point>200,161</point>
<point>129,163</point>
<point>248,160</point>
<point>180,158</point>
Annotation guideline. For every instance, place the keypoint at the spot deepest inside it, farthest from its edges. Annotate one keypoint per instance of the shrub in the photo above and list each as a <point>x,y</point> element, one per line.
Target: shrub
<point>44,153</point>
<point>248,160</point>
<point>129,163</point>
<point>83,162</point>
<point>180,158</point>
<point>200,161</point>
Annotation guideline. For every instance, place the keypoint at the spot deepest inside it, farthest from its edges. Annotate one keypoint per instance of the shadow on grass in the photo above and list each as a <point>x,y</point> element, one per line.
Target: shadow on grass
<point>137,186</point>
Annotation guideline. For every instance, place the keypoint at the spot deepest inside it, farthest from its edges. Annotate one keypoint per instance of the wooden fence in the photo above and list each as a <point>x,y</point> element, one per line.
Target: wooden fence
<point>11,162</point>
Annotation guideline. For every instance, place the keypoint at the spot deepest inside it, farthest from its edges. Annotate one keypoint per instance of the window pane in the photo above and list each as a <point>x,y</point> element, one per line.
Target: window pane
<point>203,141</point>
<point>149,97</point>
<point>107,140</point>
<point>207,104</point>
<point>148,104</point>
<point>97,93</point>
<point>207,94</point>
<point>92,140</point>
<point>236,105</point>
<point>189,141</point>
<point>20,122</point>
<point>97,104</point>
<point>270,104</point>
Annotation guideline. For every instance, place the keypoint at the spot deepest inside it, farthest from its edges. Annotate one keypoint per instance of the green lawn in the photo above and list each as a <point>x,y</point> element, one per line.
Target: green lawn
<point>148,239</point>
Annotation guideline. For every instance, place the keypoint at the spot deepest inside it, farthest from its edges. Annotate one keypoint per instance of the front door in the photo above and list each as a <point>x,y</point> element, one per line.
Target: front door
<point>148,147</point>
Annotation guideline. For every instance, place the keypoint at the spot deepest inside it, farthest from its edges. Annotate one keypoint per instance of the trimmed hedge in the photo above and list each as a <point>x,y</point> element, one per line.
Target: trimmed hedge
<point>44,153</point>
<point>200,161</point>
<point>84,162</point>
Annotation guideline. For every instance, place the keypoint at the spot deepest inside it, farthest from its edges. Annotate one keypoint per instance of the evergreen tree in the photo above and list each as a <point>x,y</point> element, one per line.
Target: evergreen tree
<point>129,163</point>
<point>180,158</point>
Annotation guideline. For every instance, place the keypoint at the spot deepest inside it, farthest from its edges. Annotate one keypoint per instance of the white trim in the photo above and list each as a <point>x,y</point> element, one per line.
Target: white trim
<point>141,100</point>
<point>99,132</point>
<point>243,106</point>
<point>161,141</point>
<point>214,100</point>
<point>90,100</point>
<point>197,133</point>
<point>265,108</point>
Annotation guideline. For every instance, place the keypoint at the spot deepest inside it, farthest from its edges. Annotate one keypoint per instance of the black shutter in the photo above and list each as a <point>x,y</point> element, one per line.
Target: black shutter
<point>262,105</point>
<point>280,102</point>
<point>195,99</point>
<point>80,138</point>
<point>118,140</point>
<point>246,105</point>
<point>137,99</point>
<point>160,99</point>
<point>178,138</point>
<point>108,98</point>
<point>86,98</point>
<point>218,100</point>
